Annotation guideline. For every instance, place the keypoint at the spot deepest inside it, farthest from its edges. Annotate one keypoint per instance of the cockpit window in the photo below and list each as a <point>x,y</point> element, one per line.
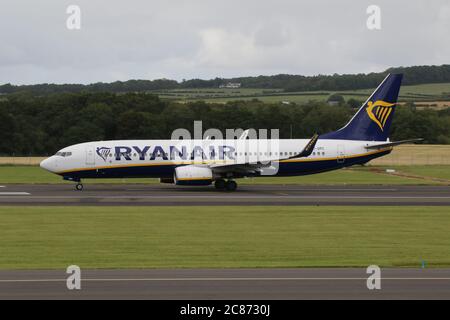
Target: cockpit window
<point>64,154</point>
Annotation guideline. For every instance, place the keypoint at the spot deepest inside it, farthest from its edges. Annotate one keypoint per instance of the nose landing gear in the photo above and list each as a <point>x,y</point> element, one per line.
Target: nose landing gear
<point>78,186</point>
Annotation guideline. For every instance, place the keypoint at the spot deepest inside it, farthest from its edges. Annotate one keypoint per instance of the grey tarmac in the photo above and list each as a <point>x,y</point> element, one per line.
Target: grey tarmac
<point>228,284</point>
<point>246,195</point>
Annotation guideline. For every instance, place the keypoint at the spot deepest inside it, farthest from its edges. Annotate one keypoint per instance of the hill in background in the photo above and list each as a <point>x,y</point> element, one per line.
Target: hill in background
<point>283,82</point>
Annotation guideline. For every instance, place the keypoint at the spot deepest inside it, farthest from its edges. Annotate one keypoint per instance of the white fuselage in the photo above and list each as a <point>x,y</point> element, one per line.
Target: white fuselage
<point>105,157</point>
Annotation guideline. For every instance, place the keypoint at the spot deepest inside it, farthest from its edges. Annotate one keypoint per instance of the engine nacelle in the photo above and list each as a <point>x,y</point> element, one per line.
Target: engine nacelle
<point>193,176</point>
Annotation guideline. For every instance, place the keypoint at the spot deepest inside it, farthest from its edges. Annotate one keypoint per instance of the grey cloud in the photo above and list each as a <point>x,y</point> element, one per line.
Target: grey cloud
<point>208,38</point>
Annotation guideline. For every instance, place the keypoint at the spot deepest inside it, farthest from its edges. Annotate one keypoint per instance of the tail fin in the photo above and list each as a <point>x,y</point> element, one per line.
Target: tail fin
<point>373,120</point>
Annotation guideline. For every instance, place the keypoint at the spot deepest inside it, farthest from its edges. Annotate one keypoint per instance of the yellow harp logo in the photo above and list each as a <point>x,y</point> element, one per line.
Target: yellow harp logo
<point>379,112</point>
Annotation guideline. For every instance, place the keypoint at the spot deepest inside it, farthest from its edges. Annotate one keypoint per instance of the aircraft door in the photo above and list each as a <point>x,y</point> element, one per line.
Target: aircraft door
<point>90,156</point>
<point>340,153</point>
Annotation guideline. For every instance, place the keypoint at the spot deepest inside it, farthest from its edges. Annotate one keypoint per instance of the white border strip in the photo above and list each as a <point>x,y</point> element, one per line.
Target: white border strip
<point>14,194</point>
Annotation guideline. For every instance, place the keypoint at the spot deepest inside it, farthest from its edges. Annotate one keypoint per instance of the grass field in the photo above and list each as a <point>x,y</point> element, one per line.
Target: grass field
<point>441,172</point>
<point>416,155</point>
<point>174,237</point>
<point>354,175</point>
<point>24,161</point>
<point>36,175</point>
<point>423,92</point>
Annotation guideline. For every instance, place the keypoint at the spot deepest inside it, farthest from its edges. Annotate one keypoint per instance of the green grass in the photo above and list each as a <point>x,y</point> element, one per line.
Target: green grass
<point>36,175</point>
<point>300,98</point>
<point>434,171</point>
<point>430,88</point>
<point>433,91</point>
<point>176,237</point>
<point>355,175</point>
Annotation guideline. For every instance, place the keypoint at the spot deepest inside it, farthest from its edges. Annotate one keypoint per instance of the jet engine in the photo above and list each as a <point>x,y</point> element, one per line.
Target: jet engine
<point>193,176</point>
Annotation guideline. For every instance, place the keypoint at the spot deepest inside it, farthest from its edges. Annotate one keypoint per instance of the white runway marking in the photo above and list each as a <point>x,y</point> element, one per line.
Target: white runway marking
<point>14,194</point>
<point>216,279</point>
<point>227,197</point>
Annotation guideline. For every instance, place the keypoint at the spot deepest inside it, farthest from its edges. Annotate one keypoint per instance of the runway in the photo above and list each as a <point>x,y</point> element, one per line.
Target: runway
<point>228,284</point>
<point>247,195</point>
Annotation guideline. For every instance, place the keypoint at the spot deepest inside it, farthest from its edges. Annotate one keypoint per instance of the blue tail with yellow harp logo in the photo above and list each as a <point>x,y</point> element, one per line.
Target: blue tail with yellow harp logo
<point>373,120</point>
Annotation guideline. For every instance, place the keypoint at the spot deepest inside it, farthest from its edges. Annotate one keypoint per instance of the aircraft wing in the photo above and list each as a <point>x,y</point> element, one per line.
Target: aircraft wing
<point>255,167</point>
<point>392,144</point>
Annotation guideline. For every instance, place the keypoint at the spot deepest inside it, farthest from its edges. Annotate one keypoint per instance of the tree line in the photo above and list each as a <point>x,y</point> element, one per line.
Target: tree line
<point>42,125</point>
<point>289,83</point>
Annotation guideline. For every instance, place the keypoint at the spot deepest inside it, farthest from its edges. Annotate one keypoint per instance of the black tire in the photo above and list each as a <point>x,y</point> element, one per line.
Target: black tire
<point>220,184</point>
<point>79,187</point>
<point>231,185</point>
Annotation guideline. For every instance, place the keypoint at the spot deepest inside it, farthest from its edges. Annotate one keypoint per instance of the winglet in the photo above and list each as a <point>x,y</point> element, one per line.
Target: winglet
<point>308,150</point>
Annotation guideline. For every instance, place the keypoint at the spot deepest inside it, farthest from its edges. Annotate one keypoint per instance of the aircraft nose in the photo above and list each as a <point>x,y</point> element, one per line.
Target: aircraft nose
<point>48,164</point>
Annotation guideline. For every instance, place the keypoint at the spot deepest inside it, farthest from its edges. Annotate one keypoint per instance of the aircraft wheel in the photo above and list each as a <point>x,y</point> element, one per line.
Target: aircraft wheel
<point>79,187</point>
<point>231,185</point>
<point>220,184</point>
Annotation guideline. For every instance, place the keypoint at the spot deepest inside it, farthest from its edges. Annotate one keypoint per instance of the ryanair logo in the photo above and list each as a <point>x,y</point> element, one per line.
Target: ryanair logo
<point>103,152</point>
<point>379,111</point>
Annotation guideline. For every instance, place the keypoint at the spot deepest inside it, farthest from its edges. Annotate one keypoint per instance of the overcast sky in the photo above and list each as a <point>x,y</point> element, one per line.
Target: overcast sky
<point>150,39</point>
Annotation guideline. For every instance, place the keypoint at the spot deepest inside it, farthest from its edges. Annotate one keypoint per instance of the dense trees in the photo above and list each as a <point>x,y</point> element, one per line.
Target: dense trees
<point>42,125</point>
<point>413,75</point>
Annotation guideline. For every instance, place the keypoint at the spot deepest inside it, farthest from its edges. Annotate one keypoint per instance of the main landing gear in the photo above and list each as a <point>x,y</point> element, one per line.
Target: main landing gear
<point>229,185</point>
<point>79,186</point>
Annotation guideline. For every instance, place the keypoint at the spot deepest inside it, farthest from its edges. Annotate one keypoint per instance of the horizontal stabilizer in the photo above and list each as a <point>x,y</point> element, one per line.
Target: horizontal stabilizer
<point>392,144</point>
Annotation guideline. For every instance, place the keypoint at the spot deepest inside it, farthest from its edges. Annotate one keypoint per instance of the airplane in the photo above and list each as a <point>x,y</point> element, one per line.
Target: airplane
<point>204,162</point>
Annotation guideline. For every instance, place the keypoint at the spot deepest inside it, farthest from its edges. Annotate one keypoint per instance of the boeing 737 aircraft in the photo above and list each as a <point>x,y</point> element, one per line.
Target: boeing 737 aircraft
<point>203,162</point>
